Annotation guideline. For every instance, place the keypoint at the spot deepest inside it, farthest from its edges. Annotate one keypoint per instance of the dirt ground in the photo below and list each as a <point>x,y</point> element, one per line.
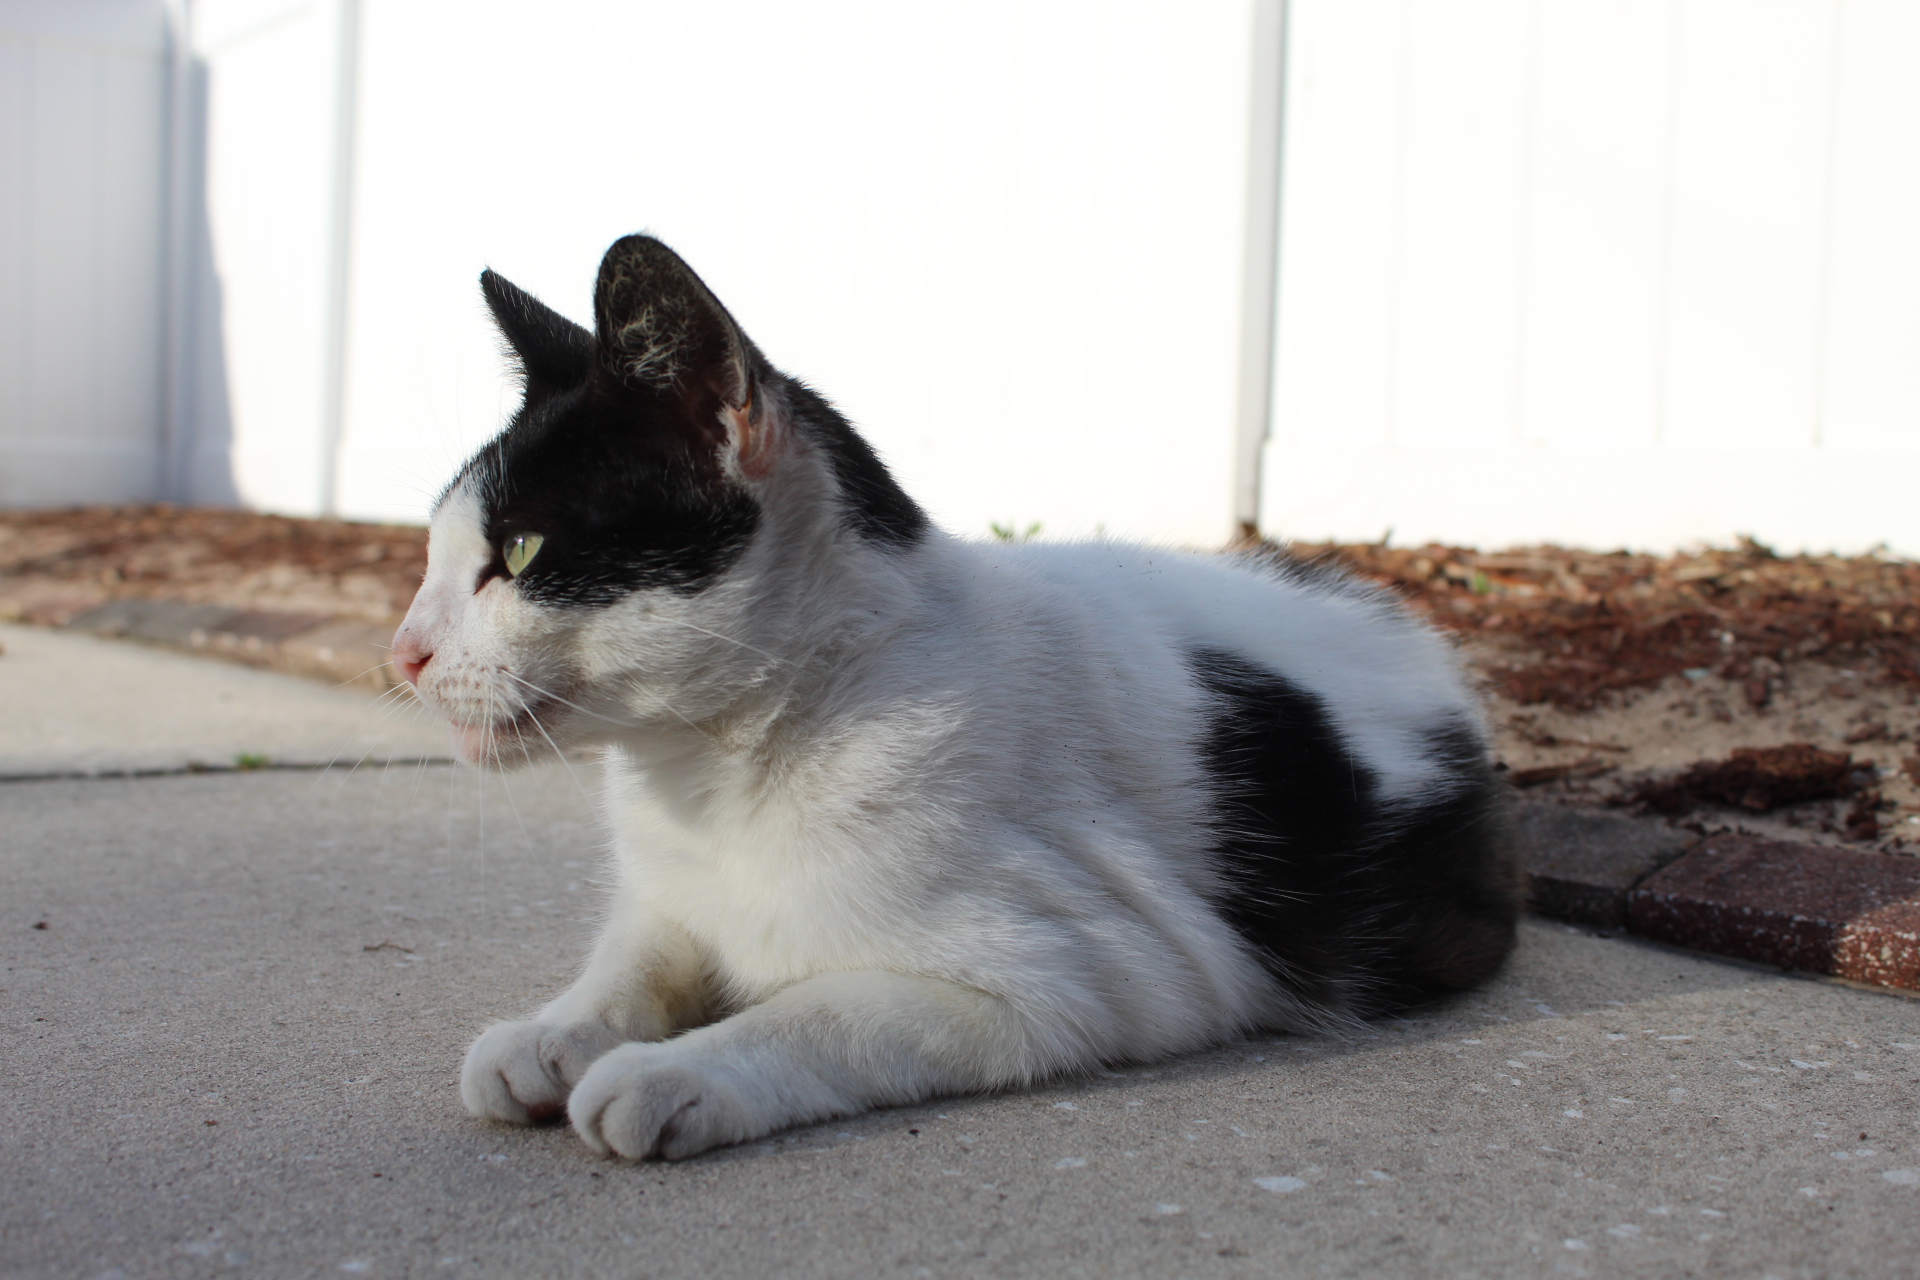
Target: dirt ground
<point>1606,676</point>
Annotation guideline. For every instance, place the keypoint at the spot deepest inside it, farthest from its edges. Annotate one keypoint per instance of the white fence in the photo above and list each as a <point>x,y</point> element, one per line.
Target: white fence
<point>1006,238</point>
<point>1634,272</point>
<point>1642,271</point>
<point>83,226</point>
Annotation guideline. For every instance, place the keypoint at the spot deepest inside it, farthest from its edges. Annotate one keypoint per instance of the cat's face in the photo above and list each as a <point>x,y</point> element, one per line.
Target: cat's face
<point>585,567</point>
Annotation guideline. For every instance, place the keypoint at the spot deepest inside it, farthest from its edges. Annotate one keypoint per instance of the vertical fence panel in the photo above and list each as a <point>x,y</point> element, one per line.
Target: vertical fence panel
<point>1870,375</point>
<point>1339,226</point>
<point>270,131</point>
<point>82,212</point>
<point>1596,192</point>
<point>1751,131</point>
<point>1456,310</point>
<point>1005,238</point>
<point>1707,239</point>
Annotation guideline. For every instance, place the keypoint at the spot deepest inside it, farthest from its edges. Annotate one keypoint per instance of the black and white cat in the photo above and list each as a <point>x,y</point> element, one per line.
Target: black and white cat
<point>894,814</point>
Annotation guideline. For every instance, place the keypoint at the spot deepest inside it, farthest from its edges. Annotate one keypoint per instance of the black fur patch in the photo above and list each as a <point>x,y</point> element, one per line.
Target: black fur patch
<point>623,498</point>
<point>1352,908</point>
<point>877,508</point>
<point>615,458</point>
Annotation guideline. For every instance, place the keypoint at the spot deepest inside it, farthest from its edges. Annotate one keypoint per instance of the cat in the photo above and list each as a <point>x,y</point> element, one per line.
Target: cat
<point>895,815</point>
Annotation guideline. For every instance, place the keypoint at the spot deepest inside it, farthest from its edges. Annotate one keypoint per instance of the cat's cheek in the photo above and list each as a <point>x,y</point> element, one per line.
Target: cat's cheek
<point>645,1100</point>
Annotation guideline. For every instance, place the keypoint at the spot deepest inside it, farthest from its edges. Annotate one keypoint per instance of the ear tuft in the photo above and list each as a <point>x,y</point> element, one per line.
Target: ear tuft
<point>660,327</point>
<point>554,352</point>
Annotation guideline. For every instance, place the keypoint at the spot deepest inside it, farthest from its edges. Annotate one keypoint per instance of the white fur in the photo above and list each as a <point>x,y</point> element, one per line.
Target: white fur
<point>889,823</point>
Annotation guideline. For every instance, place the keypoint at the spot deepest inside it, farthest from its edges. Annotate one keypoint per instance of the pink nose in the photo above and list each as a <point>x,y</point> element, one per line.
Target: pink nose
<point>410,654</point>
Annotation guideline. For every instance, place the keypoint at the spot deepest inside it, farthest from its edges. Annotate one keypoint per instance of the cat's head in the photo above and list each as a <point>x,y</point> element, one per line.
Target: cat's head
<point>639,544</point>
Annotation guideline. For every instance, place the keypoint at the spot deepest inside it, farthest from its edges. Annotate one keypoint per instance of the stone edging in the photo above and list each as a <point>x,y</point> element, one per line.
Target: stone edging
<point>341,651</point>
<point>1811,908</point>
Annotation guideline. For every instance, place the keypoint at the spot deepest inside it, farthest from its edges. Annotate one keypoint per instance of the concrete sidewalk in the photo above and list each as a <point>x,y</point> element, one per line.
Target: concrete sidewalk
<point>74,704</point>
<point>236,1004</point>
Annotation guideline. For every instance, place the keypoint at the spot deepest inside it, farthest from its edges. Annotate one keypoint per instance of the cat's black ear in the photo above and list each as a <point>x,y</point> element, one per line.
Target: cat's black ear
<point>662,334</point>
<point>661,328</point>
<point>555,353</point>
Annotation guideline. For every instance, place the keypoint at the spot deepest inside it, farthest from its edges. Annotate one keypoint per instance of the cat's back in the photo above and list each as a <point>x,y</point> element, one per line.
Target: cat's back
<point>1382,676</point>
<point>1385,684</point>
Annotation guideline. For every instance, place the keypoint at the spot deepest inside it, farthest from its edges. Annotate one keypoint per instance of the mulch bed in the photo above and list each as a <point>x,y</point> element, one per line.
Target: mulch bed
<point>1575,626</point>
<point>1762,779</point>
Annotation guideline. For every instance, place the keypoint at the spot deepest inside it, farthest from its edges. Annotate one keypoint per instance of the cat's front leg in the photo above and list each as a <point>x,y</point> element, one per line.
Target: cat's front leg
<point>831,1045</point>
<point>644,981</point>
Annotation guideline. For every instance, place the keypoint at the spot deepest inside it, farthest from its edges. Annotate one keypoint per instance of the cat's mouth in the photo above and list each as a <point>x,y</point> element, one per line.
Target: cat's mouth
<point>514,740</point>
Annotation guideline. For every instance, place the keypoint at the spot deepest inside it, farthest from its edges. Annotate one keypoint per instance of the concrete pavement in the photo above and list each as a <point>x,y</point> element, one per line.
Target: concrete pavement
<point>74,704</point>
<point>232,1048</point>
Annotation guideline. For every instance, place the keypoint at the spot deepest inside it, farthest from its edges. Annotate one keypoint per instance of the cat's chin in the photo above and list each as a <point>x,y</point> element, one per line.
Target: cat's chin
<point>509,744</point>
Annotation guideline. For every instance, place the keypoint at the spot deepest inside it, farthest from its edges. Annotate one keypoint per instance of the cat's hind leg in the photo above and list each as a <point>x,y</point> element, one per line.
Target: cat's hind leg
<point>831,1045</point>
<point>644,981</point>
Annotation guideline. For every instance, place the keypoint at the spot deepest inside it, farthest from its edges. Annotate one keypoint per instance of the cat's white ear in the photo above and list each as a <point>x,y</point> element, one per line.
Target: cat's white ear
<point>660,329</point>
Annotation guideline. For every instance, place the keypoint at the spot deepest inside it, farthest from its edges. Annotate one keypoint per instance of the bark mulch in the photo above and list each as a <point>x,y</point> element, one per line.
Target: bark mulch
<point>1574,626</point>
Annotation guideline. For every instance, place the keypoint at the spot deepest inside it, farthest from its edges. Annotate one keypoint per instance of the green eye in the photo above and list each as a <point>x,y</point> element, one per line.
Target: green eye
<point>520,549</point>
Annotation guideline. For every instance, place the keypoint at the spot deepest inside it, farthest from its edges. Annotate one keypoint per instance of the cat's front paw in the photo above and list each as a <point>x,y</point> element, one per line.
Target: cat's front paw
<point>522,1072</point>
<point>652,1100</point>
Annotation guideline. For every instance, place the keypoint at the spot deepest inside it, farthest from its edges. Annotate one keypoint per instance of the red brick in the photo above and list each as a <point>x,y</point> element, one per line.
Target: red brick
<point>1800,906</point>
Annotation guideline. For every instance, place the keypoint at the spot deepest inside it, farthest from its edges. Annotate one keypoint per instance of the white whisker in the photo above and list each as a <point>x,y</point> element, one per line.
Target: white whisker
<point>668,707</point>
<point>392,700</point>
<point>682,622</point>
<point>560,755</point>
<point>369,671</point>
<point>554,697</point>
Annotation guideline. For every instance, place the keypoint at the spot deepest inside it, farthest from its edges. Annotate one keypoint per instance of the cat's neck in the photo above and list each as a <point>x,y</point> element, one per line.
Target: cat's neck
<point>811,644</point>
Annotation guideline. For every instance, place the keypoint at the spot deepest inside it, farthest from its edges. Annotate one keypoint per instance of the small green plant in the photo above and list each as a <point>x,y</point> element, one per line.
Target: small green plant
<point>1009,533</point>
<point>249,760</point>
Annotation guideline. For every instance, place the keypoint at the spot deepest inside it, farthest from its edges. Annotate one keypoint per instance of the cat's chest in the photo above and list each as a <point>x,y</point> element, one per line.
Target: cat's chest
<point>774,907</point>
<point>839,862</point>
